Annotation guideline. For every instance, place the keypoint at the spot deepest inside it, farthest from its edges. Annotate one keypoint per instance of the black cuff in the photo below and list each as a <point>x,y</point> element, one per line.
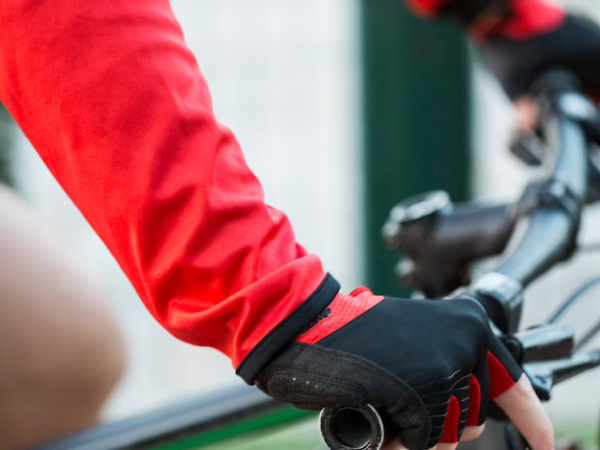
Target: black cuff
<point>285,333</point>
<point>468,11</point>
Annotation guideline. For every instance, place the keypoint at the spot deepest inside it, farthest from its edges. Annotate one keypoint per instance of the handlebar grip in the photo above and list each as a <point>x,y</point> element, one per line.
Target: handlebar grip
<point>349,428</point>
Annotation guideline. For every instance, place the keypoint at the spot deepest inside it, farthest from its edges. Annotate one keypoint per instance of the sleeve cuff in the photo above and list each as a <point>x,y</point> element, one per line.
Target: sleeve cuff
<point>285,333</point>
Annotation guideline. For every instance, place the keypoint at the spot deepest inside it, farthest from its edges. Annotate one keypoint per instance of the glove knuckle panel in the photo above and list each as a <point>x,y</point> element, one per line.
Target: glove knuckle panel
<point>471,315</point>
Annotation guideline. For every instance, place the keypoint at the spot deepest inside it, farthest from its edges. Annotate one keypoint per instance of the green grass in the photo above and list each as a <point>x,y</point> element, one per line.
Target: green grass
<point>284,427</point>
<point>300,436</point>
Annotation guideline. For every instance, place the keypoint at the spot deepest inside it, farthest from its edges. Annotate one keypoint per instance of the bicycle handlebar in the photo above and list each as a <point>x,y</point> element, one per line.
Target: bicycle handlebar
<point>555,221</point>
<point>548,232</point>
<point>539,232</point>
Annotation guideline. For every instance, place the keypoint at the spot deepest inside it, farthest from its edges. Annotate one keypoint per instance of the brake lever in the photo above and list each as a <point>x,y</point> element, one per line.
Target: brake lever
<point>546,355</point>
<point>543,343</point>
<point>546,344</point>
<point>528,148</point>
<point>560,370</point>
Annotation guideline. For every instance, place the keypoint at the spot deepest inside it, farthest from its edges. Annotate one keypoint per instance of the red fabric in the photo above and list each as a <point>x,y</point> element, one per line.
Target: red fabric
<point>500,379</point>
<point>531,18</point>
<point>115,104</point>
<point>474,402</point>
<point>427,8</point>
<point>342,310</point>
<point>450,435</point>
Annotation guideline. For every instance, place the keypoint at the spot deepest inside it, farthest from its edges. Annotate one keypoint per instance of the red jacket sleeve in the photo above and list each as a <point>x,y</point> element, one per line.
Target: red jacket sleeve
<point>114,102</point>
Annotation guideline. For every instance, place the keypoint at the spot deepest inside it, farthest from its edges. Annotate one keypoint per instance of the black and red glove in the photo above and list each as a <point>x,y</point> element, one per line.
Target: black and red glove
<point>430,366</point>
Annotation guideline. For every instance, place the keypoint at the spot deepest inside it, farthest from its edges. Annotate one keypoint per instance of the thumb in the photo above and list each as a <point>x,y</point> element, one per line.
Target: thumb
<point>527,113</point>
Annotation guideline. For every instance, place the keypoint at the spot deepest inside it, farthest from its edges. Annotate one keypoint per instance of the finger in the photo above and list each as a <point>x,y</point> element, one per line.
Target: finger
<point>475,418</point>
<point>478,400</point>
<point>523,407</point>
<point>472,433</point>
<point>527,114</point>
<point>450,434</point>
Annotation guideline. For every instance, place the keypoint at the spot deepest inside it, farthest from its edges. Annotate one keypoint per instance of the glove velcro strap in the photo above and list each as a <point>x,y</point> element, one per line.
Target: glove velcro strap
<point>285,333</point>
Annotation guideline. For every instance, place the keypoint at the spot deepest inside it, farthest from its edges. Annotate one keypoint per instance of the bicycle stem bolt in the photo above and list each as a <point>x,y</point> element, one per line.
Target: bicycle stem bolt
<point>348,428</point>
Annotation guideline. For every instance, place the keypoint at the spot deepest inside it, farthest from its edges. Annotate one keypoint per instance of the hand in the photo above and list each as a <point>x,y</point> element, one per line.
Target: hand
<point>538,37</point>
<point>431,366</point>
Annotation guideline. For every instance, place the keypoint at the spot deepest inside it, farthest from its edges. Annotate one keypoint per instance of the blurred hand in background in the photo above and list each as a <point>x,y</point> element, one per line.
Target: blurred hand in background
<point>539,36</point>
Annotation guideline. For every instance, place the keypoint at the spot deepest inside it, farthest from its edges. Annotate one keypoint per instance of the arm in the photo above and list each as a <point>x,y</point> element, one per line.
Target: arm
<point>115,104</point>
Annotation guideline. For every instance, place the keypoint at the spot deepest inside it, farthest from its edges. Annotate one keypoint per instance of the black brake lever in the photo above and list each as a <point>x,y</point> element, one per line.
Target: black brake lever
<point>544,343</point>
<point>545,354</point>
<point>551,345</point>
<point>529,148</point>
<point>561,370</point>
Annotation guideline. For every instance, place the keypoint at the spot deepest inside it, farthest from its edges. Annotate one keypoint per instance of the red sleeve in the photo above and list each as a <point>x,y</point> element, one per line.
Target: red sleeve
<point>115,104</point>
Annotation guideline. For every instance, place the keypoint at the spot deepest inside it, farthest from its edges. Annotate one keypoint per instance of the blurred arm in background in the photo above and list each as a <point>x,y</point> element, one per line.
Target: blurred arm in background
<point>521,39</point>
